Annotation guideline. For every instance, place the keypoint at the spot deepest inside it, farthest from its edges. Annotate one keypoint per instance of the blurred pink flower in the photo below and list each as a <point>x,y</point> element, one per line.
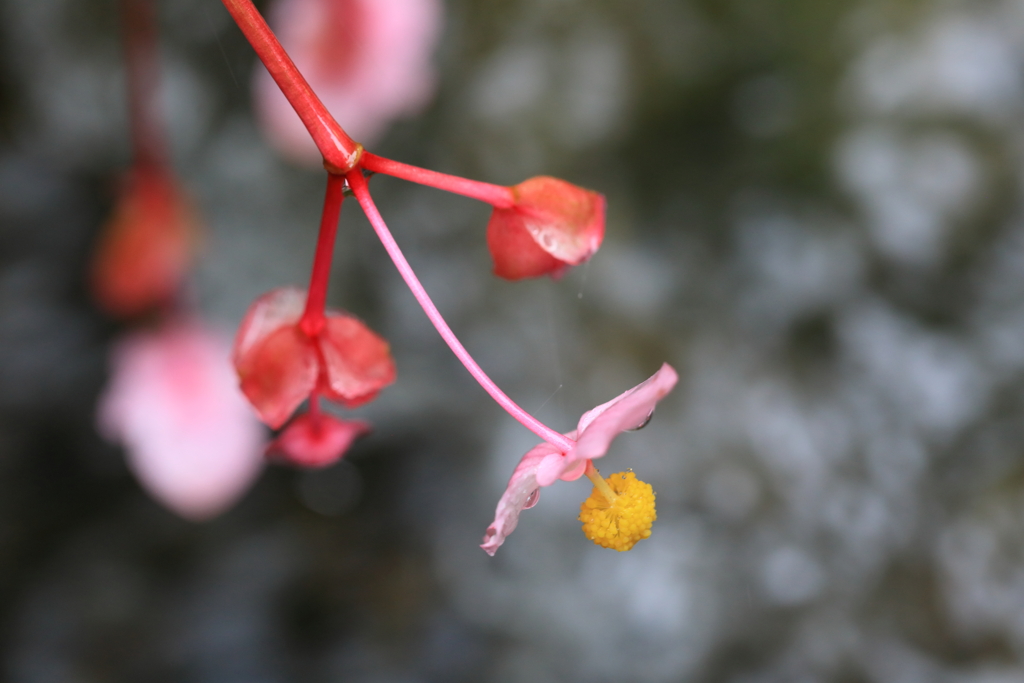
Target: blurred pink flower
<point>173,402</point>
<point>367,60</point>
<point>545,464</point>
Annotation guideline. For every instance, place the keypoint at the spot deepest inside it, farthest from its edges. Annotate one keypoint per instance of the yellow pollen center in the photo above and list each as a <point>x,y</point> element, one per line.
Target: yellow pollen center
<point>621,522</point>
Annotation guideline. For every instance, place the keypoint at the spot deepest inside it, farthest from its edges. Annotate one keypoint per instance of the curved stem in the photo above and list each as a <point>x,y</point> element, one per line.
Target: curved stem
<point>312,320</point>
<point>341,153</point>
<point>498,196</point>
<point>359,187</point>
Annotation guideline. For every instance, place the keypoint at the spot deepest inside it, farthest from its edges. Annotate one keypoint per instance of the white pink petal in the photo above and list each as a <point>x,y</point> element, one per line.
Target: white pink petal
<point>173,402</point>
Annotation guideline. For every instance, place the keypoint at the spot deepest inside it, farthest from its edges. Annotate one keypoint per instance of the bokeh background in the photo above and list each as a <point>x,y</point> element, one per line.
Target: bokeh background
<point>815,214</point>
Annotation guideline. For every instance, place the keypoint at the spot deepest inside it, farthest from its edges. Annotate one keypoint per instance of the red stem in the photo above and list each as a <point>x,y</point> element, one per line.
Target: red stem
<point>138,24</point>
<point>341,153</point>
<point>498,196</point>
<point>312,320</point>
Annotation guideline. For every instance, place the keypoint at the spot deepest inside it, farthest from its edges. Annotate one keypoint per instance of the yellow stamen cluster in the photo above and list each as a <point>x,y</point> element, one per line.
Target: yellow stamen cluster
<point>621,522</point>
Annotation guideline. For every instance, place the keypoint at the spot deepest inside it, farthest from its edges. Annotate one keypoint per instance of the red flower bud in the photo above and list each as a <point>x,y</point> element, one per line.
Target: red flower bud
<point>145,247</point>
<point>316,440</point>
<point>279,364</point>
<point>552,225</point>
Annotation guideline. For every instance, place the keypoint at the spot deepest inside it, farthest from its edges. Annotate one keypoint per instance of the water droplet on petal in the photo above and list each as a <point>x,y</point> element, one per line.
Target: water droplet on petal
<point>644,423</point>
<point>532,499</point>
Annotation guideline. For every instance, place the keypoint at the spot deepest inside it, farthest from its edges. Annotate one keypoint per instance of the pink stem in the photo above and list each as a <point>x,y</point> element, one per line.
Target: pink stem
<point>312,320</point>
<point>498,196</point>
<point>358,184</point>
<point>341,153</point>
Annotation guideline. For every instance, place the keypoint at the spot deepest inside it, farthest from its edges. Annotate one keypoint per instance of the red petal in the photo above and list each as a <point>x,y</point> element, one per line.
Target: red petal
<point>516,254</point>
<point>145,247</point>
<point>316,441</point>
<point>358,362</point>
<point>562,221</point>
<point>269,313</point>
<point>278,373</point>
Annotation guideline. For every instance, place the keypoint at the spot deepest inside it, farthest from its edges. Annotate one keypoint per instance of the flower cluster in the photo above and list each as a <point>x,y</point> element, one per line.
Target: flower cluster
<point>169,403</point>
<point>290,348</point>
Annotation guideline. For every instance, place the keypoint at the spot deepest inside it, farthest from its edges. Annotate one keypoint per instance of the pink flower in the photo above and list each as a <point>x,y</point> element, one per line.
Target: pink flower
<point>280,365</point>
<point>367,60</point>
<point>316,440</point>
<point>544,464</point>
<point>552,225</point>
<point>173,402</point>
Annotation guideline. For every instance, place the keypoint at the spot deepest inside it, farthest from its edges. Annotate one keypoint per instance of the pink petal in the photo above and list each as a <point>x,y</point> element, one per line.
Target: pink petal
<point>173,402</point>
<point>316,441</point>
<point>521,493</point>
<point>558,466</point>
<point>630,410</point>
<point>367,60</point>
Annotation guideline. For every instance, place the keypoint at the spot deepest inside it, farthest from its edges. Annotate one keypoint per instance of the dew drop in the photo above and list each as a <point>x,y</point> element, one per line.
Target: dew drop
<point>643,424</point>
<point>532,499</point>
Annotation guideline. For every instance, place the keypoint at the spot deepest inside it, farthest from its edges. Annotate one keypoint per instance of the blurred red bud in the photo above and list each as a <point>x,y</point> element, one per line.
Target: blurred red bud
<point>145,247</point>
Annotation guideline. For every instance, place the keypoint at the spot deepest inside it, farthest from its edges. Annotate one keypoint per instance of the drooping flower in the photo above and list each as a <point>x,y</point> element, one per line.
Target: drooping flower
<point>552,225</point>
<point>316,439</point>
<point>173,402</point>
<point>145,248</point>
<point>280,364</point>
<point>545,464</point>
<point>367,60</point>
